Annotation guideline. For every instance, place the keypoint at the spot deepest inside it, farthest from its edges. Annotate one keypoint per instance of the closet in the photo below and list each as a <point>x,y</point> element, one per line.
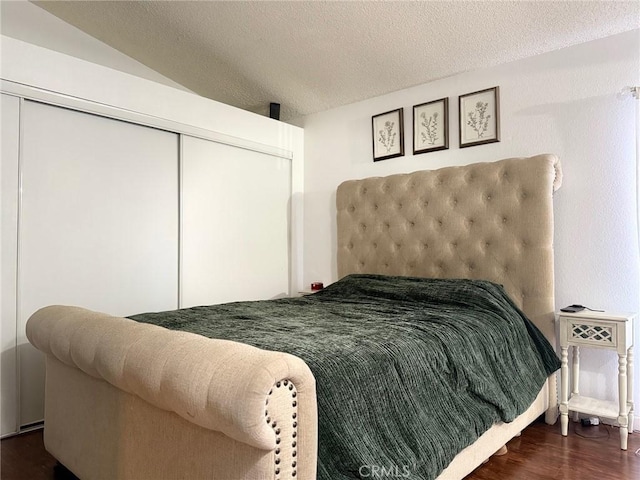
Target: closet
<point>224,259</point>
<point>126,217</point>
<point>98,223</point>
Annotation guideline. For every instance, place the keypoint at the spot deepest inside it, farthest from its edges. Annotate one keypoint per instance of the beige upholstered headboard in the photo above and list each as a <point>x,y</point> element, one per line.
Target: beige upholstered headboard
<point>491,221</point>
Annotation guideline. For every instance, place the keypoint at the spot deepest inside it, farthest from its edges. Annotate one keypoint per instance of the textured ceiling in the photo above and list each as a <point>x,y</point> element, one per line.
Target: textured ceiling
<point>311,56</point>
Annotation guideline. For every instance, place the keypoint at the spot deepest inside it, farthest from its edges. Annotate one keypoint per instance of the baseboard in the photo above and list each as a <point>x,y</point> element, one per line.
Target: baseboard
<point>24,429</point>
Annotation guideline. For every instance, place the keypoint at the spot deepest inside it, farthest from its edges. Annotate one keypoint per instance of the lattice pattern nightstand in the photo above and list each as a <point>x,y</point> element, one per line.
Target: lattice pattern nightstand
<point>597,330</point>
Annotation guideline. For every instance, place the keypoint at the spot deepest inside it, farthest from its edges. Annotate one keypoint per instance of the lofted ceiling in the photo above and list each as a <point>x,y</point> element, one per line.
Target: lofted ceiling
<point>311,56</point>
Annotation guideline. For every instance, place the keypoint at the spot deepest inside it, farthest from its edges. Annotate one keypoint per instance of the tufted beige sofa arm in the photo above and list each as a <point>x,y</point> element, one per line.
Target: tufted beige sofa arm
<point>219,385</point>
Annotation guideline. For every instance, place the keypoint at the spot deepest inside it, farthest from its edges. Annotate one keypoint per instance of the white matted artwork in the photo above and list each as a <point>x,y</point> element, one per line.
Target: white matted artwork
<point>431,126</point>
<point>387,132</point>
<point>479,117</point>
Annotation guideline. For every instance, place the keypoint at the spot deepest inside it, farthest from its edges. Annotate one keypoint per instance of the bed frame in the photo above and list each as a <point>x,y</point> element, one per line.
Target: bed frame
<point>131,400</point>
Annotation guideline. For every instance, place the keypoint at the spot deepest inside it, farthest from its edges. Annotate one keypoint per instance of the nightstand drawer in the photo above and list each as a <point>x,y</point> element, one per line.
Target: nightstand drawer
<point>590,332</point>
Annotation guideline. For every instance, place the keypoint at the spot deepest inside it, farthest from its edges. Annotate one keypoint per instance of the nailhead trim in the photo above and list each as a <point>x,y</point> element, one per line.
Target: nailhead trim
<point>277,431</point>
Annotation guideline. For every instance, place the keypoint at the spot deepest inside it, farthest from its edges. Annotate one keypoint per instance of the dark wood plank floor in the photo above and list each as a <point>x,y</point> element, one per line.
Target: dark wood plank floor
<point>588,453</point>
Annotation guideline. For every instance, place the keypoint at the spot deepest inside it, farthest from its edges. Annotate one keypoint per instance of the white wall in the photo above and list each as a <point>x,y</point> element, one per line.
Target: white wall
<point>566,102</point>
<point>22,20</point>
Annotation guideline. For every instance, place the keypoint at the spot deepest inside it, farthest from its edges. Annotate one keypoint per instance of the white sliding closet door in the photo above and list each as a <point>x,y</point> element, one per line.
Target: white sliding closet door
<point>9,127</point>
<point>98,223</point>
<point>235,224</point>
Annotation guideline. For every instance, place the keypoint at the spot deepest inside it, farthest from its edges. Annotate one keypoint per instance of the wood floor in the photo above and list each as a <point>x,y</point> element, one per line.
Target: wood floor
<point>588,453</point>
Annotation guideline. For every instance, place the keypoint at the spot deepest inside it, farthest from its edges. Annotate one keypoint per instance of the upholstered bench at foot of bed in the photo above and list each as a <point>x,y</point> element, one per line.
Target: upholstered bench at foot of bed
<point>138,401</point>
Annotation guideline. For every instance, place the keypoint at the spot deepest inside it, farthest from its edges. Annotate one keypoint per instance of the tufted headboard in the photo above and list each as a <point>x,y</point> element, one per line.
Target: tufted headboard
<point>491,221</point>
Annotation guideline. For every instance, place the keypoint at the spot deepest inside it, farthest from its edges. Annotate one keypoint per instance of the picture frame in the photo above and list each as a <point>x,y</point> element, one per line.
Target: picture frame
<point>479,119</point>
<point>431,126</point>
<point>387,133</point>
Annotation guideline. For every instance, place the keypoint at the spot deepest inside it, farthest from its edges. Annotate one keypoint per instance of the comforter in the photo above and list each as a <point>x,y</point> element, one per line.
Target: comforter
<point>409,371</point>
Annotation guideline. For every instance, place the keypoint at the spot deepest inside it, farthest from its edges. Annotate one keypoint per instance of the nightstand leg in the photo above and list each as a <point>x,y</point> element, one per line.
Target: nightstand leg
<point>575,376</point>
<point>623,418</point>
<point>564,392</point>
<point>630,387</point>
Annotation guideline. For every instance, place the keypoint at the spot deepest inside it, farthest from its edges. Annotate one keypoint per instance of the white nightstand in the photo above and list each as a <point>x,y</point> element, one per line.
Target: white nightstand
<point>612,331</point>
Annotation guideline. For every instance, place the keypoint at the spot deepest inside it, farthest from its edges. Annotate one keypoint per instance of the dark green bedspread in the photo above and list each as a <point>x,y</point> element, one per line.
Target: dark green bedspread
<point>409,371</point>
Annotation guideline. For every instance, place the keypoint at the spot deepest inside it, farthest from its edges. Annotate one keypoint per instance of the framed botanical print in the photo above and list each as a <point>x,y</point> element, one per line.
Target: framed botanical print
<point>479,117</point>
<point>431,126</point>
<point>387,132</point>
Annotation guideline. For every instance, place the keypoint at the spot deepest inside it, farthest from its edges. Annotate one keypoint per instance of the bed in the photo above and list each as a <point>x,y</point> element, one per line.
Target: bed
<point>161,403</point>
